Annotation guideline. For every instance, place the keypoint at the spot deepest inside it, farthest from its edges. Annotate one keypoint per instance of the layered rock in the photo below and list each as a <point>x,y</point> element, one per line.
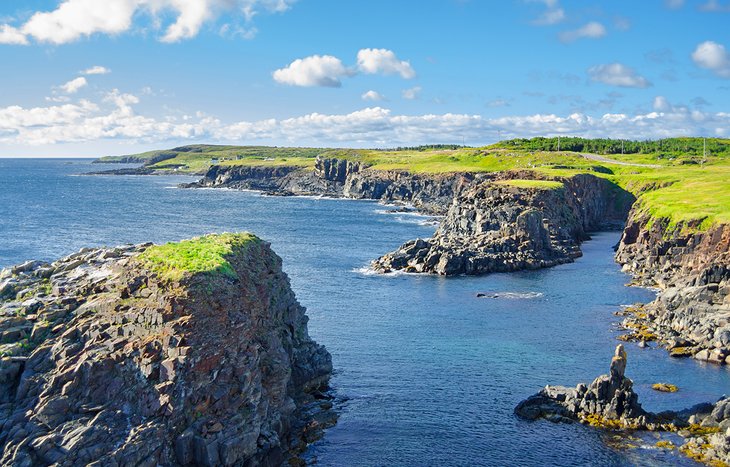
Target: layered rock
<point>609,402</point>
<point>131,356</point>
<point>341,178</point>
<point>691,267</point>
<point>493,226</point>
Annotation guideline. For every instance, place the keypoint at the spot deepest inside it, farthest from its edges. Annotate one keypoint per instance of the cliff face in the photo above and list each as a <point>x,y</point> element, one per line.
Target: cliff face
<point>110,360</point>
<point>496,227</point>
<point>691,315</point>
<point>341,178</point>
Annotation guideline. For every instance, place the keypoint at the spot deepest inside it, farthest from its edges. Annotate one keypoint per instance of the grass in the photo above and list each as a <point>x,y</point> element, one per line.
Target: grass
<point>206,254</point>
<point>685,195</point>
<point>539,184</point>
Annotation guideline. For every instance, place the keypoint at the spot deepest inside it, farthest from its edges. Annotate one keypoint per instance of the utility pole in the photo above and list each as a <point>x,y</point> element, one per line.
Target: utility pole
<point>558,143</point>
<point>622,147</point>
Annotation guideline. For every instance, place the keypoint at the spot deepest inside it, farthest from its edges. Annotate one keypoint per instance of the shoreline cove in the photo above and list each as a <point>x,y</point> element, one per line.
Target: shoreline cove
<point>324,450</point>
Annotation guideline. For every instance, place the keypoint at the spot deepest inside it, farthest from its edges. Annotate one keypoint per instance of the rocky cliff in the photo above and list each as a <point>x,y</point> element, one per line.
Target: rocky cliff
<point>509,224</point>
<point>610,402</point>
<point>195,353</point>
<point>341,178</point>
<point>691,267</point>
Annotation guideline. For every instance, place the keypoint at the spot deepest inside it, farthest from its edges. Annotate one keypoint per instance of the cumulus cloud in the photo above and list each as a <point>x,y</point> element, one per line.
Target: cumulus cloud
<point>96,70</point>
<point>411,93</point>
<point>317,70</point>
<point>11,35</point>
<point>326,70</point>
<point>74,85</point>
<point>617,74</point>
<point>714,57</point>
<point>372,96</point>
<point>383,61</point>
<point>114,118</point>
<point>592,30</point>
<point>76,19</point>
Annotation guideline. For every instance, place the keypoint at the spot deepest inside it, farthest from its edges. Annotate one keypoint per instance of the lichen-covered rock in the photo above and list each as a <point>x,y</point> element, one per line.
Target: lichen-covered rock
<point>691,267</point>
<point>136,358</point>
<point>609,402</point>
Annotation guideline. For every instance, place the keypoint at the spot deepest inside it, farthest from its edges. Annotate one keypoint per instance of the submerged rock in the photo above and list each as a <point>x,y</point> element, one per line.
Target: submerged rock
<point>195,353</point>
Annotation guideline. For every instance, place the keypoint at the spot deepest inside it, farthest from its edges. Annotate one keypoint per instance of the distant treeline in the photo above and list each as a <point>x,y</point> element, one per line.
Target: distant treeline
<point>426,147</point>
<point>669,146</point>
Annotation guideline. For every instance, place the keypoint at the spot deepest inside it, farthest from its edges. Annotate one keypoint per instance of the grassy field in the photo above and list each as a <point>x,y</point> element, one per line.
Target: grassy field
<point>690,190</point>
<point>205,254</point>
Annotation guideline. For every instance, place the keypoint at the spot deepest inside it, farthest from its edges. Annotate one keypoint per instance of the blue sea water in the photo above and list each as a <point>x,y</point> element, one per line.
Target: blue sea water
<point>426,372</point>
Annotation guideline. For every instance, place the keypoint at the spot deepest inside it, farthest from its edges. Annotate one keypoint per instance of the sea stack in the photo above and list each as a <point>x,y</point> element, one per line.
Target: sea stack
<point>190,353</point>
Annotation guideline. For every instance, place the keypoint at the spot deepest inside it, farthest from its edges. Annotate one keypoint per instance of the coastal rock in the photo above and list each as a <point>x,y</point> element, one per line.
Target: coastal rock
<point>691,267</point>
<point>128,360</point>
<point>609,402</point>
<point>341,178</point>
<point>493,226</point>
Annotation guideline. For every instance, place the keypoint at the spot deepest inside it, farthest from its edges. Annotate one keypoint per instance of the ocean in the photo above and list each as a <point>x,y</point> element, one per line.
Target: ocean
<point>426,373</point>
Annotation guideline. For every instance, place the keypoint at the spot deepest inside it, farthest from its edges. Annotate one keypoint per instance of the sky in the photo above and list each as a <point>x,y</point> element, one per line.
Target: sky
<point>90,78</point>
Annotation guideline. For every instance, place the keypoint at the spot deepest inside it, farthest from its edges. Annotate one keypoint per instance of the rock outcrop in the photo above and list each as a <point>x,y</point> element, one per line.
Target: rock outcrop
<point>691,267</point>
<point>493,226</point>
<point>341,178</point>
<point>147,355</point>
<point>609,402</point>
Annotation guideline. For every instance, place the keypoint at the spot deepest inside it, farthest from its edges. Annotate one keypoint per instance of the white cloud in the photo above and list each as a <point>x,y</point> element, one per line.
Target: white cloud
<point>96,70</point>
<point>317,70</point>
<point>411,93</point>
<point>372,96</point>
<point>114,118</point>
<point>661,104</point>
<point>10,35</point>
<point>552,15</point>
<point>383,61</point>
<point>592,30</point>
<point>714,6</point>
<point>74,85</point>
<point>617,74</point>
<point>713,56</point>
<point>75,19</point>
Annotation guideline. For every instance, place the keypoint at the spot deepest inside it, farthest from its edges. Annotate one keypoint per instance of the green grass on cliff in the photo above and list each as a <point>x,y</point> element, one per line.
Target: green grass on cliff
<point>206,254</point>
<point>685,187</point>
<point>539,184</point>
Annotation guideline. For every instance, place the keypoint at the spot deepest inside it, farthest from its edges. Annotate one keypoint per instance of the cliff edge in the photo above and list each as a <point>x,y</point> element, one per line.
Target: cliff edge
<point>190,353</point>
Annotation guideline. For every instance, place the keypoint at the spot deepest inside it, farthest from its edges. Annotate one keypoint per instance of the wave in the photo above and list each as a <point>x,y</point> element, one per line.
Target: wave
<point>369,271</point>
<point>511,295</point>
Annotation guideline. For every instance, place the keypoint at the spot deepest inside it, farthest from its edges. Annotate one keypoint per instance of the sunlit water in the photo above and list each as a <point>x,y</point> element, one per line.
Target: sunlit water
<point>426,372</point>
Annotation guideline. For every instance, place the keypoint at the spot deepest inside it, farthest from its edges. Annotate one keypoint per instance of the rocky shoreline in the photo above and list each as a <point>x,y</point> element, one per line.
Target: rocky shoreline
<point>691,314</point>
<point>610,402</point>
<point>494,226</point>
<point>491,225</point>
<point>109,359</point>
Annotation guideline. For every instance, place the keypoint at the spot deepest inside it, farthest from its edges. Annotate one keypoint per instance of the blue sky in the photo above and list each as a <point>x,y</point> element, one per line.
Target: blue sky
<point>88,78</point>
